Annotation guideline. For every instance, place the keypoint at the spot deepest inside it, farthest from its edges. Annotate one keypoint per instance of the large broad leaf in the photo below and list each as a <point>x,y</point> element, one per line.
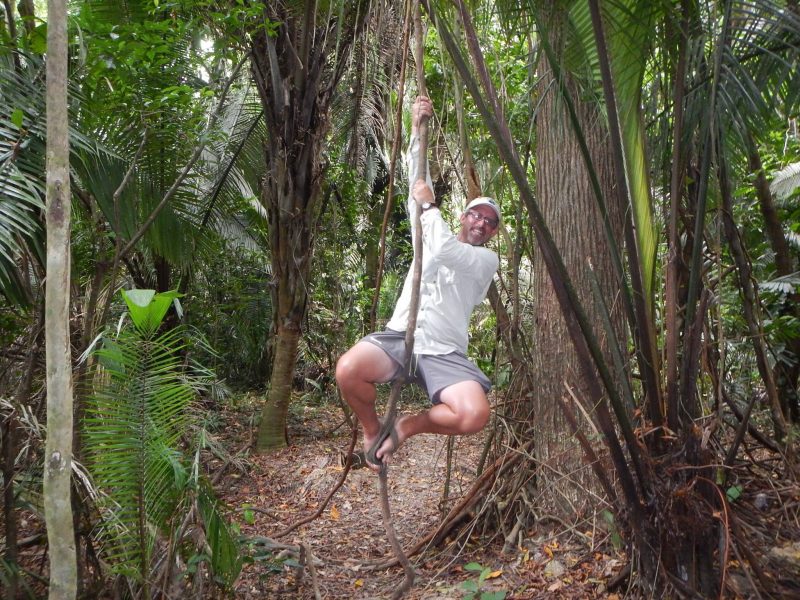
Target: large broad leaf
<point>147,308</point>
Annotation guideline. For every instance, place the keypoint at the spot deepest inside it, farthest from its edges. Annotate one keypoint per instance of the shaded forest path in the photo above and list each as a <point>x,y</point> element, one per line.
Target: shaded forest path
<point>349,537</point>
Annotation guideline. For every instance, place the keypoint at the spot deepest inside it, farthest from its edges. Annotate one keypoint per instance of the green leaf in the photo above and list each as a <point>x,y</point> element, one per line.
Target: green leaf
<point>734,493</point>
<point>17,116</point>
<point>38,39</point>
<point>473,566</point>
<point>470,585</point>
<point>134,421</point>
<point>225,560</point>
<point>147,309</point>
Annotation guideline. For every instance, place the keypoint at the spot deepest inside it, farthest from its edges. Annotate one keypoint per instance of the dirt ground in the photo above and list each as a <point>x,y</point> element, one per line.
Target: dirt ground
<point>269,492</point>
<point>348,539</point>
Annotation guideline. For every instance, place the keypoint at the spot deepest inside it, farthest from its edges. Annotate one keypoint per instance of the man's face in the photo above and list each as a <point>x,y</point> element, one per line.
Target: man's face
<point>478,225</point>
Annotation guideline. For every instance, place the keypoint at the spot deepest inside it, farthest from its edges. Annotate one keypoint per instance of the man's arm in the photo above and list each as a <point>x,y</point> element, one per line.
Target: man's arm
<point>422,109</point>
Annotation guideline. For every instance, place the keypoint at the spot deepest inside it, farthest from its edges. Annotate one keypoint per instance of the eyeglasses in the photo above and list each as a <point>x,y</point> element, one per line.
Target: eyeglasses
<point>478,217</point>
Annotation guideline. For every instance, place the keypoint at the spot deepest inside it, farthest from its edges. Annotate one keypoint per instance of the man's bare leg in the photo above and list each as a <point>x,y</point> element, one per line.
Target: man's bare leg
<point>464,409</point>
<point>357,372</point>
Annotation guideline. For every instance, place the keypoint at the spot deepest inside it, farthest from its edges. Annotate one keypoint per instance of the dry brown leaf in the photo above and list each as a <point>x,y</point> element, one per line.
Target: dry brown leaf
<point>494,574</point>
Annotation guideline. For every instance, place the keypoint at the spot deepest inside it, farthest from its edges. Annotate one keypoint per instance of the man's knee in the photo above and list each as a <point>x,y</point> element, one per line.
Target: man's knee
<point>475,416</point>
<point>346,369</point>
<point>468,401</point>
<point>366,363</point>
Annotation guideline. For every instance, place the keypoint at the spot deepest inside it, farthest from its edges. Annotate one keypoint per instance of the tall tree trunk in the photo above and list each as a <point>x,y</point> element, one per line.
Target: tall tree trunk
<point>272,429</point>
<point>295,77</point>
<point>28,15</point>
<point>8,437</point>
<point>570,210</point>
<point>297,121</point>
<point>749,301</point>
<point>58,448</point>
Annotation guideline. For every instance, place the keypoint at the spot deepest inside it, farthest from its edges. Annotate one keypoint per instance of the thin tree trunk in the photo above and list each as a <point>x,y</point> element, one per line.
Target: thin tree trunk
<point>28,15</point>
<point>10,427</point>
<point>672,322</point>
<point>58,448</point>
<point>772,224</point>
<point>786,376</point>
<point>9,440</point>
<point>750,303</point>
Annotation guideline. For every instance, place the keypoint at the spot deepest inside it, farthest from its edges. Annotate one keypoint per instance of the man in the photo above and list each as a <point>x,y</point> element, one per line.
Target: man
<point>456,273</point>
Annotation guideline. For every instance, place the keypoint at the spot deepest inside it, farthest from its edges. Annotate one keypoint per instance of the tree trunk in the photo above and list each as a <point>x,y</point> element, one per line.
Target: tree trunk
<point>58,448</point>
<point>750,303</point>
<point>295,78</point>
<point>570,211</point>
<point>291,249</point>
<point>786,372</point>
<point>9,443</point>
<point>272,429</point>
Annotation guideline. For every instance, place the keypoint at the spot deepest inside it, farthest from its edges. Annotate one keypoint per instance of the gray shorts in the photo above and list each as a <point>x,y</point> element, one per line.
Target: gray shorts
<point>432,372</point>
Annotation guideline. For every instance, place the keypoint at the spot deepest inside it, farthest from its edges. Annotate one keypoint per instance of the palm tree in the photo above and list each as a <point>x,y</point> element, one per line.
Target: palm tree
<point>296,72</point>
<point>571,211</point>
<point>137,417</point>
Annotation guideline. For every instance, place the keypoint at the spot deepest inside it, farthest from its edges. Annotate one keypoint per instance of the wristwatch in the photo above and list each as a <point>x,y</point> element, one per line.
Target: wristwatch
<point>427,205</point>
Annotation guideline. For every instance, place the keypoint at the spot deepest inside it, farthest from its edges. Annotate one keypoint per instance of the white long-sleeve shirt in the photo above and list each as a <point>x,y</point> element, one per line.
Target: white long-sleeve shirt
<point>455,279</point>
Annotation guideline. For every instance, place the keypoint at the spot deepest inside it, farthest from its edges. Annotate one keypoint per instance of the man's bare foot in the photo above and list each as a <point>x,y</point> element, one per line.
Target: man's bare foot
<point>369,442</point>
<point>393,442</point>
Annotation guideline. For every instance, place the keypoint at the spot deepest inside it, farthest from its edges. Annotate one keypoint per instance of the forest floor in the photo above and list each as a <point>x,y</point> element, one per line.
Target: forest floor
<point>347,544</point>
<point>273,491</point>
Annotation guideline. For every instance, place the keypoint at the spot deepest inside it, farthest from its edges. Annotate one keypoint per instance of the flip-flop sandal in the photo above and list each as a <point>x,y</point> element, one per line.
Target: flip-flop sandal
<point>387,431</point>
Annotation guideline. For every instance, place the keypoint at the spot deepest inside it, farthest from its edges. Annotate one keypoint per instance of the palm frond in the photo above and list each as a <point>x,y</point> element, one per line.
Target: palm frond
<point>359,116</point>
<point>225,560</point>
<point>793,239</point>
<point>786,181</point>
<point>22,166</point>
<point>630,25</point>
<point>785,285</point>
<point>135,418</point>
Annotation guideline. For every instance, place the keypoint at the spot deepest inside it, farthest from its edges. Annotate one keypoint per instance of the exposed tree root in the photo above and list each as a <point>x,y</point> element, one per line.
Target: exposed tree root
<point>461,511</point>
<point>324,504</point>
